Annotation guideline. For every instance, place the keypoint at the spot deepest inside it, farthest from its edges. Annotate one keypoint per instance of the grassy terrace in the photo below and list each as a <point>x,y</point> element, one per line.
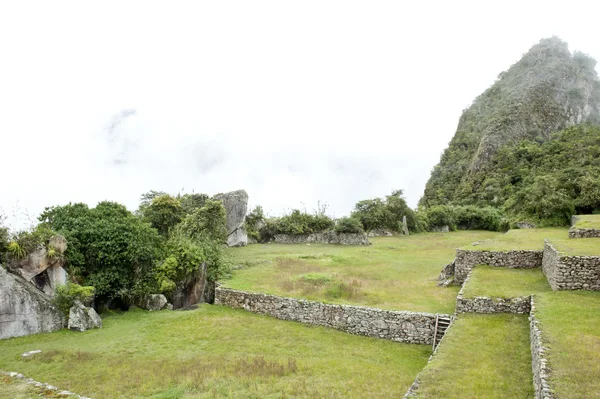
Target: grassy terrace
<point>483,356</point>
<point>501,282</point>
<point>393,273</point>
<point>520,239</point>
<point>577,246</point>
<point>587,222</point>
<point>570,321</point>
<point>213,352</point>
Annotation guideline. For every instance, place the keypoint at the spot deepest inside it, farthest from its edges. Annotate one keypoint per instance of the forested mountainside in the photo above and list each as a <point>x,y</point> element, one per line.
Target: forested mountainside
<point>516,140</point>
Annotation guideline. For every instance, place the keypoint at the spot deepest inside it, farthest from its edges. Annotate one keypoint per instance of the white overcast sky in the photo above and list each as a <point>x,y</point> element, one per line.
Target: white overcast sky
<point>297,102</point>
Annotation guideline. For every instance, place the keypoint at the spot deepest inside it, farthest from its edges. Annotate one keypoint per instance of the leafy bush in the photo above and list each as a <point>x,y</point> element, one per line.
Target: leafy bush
<point>67,294</point>
<point>440,216</point>
<point>348,225</point>
<point>386,213</point>
<point>163,213</point>
<point>109,247</point>
<point>255,220</point>
<point>297,223</point>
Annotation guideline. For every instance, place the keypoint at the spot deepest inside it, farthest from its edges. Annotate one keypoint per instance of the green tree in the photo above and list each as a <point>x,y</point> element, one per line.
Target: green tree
<point>163,213</point>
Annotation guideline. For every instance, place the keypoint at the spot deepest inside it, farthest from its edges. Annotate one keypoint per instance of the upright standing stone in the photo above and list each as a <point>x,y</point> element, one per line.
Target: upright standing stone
<point>404,226</point>
<point>236,207</point>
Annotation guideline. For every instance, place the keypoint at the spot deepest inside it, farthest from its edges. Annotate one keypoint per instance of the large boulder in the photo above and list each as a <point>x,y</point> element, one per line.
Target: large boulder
<point>236,207</point>
<point>154,302</point>
<point>24,309</point>
<point>82,318</point>
<point>44,271</point>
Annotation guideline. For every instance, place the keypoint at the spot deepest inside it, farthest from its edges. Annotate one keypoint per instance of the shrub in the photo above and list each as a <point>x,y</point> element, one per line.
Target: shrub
<point>67,294</point>
<point>297,223</point>
<point>348,225</point>
<point>441,215</point>
<point>255,220</point>
<point>479,218</point>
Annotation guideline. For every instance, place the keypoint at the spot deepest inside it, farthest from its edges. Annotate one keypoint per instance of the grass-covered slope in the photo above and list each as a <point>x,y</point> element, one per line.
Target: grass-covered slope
<point>393,273</point>
<point>501,282</point>
<point>482,356</point>
<point>497,149</point>
<point>570,323</point>
<point>587,222</point>
<point>214,352</point>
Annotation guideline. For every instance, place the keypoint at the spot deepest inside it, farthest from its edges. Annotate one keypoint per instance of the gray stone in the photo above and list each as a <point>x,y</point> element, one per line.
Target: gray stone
<point>379,233</point>
<point>154,302</point>
<point>404,226</point>
<point>570,272</point>
<point>327,237</point>
<point>401,326</point>
<point>519,259</point>
<point>525,225</point>
<point>82,318</point>
<point>24,309</point>
<point>441,229</point>
<point>236,207</point>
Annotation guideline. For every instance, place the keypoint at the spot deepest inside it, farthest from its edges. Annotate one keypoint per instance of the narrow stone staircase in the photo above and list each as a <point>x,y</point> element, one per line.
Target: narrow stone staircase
<point>441,325</point>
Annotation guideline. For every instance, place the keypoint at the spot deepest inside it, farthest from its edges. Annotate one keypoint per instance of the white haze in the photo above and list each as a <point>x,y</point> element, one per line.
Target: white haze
<point>297,102</point>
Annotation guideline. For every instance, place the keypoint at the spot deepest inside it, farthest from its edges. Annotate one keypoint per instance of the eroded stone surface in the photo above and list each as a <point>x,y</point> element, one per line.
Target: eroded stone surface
<point>82,318</point>
<point>236,207</point>
<point>24,309</point>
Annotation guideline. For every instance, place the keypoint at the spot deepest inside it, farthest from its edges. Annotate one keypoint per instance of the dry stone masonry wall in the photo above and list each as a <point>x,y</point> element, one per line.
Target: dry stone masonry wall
<point>519,259</point>
<point>583,233</point>
<point>46,388</point>
<point>479,304</point>
<point>327,237</point>
<point>409,327</point>
<point>570,272</point>
<point>539,362</point>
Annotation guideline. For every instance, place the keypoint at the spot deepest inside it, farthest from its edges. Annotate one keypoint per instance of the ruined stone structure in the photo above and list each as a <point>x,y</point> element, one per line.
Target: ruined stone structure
<point>539,361</point>
<point>327,237</point>
<point>583,233</point>
<point>480,304</point>
<point>570,272</point>
<point>409,327</point>
<point>518,259</point>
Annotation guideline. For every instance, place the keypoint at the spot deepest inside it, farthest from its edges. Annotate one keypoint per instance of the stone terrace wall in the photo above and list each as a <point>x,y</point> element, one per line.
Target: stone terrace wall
<point>570,272</point>
<point>466,259</point>
<point>409,327</point>
<point>583,233</point>
<point>479,304</point>
<point>327,237</point>
<point>539,362</point>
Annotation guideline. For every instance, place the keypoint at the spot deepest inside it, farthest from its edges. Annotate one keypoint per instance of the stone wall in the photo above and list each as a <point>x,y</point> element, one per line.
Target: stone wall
<point>327,237</point>
<point>467,259</point>
<point>409,327</point>
<point>480,304</point>
<point>539,362</point>
<point>24,309</point>
<point>583,233</point>
<point>570,272</point>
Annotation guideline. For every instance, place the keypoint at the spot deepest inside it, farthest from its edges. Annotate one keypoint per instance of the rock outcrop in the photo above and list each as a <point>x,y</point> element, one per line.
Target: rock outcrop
<point>198,290</point>
<point>24,309</point>
<point>155,302</point>
<point>43,270</point>
<point>236,207</point>
<point>82,318</point>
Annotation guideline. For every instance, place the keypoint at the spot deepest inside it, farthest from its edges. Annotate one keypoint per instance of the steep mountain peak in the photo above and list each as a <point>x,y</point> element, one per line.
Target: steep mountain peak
<point>547,90</point>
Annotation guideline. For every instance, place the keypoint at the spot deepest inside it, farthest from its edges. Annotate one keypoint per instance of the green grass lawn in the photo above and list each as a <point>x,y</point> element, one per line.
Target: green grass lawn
<point>17,389</point>
<point>520,239</point>
<point>501,282</point>
<point>483,356</point>
<point>214,352</point>
<point>577,246</point>
<point>587,222</point>
<point>393,273</point>
<point>570,322</point>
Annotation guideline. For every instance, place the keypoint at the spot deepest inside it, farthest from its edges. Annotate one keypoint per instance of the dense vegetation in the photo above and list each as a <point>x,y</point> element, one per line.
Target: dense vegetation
<point>122,256</point>
<point>506,152</point>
